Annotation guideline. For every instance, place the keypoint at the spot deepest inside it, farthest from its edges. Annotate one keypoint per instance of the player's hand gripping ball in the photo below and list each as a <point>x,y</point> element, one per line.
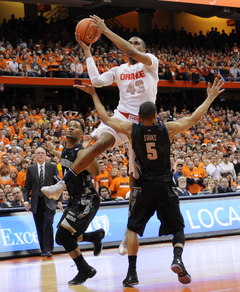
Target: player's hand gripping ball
<point>87,33</point>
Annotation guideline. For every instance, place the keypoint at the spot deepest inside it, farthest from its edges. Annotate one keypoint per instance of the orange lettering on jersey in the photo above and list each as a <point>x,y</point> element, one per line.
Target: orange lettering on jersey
<point>132,76</point>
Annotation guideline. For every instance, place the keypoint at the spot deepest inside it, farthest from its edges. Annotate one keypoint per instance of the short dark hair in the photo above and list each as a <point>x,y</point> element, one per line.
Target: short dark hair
<point>147,110</point>
<point>77,120</point>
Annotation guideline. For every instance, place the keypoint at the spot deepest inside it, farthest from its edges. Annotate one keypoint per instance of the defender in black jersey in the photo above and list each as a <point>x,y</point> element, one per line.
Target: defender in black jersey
<point>151,142</point>
<point>82,206</point>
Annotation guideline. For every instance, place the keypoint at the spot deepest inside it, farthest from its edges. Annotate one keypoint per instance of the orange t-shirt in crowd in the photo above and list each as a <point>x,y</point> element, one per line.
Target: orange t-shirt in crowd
<point>120,186</point>
<point>7,182</point>
<point>103,179</point>
<point>185,169</point>
<point>21,178</point>
<point>195,174</point>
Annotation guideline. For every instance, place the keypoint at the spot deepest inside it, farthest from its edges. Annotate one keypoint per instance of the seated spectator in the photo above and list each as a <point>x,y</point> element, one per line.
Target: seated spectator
<point>235,72</point>
<point>25,68</point>
<point>120,185</point>
<point>13,179</point>
<point>65,197</point>
<point>18,196</point>
<point>53,67</point>
<point>36,68</point>
<point>181,189</point>
<point>9,199</point>
<point>65,66</point>
<point>211,187</point>
<point>195,74</point>
<point>224,186</point>
<point>183,73</point>
<point>44,68</point>
<point>14,67</point>
<point>104,194</point>
<point>76,69</point>
<point>164,72</point>
<point>224,72</point>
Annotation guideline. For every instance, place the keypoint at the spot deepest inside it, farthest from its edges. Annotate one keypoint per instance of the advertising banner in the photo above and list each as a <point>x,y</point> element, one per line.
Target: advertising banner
<point>18,232</point>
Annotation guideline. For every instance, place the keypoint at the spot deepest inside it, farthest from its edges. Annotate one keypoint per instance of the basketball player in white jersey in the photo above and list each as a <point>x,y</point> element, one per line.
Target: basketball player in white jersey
<point>137,82</point>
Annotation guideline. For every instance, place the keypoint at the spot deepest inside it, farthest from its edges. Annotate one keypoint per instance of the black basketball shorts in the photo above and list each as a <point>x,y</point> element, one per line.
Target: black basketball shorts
<point>159,197</point>
<point>79,215</point>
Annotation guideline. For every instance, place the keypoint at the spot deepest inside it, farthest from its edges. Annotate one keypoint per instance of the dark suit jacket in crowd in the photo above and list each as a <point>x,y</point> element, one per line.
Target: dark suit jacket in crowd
<point>33,184</point>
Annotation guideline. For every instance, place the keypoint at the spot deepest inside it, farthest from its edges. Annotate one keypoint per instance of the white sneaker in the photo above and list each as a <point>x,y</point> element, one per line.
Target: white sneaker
<point>54,191</point>
<point>122,249</point>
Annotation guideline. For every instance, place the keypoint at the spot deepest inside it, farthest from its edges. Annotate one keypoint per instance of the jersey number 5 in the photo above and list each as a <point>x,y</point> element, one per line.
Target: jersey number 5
<point>133,84</point>
<point>151,151</point>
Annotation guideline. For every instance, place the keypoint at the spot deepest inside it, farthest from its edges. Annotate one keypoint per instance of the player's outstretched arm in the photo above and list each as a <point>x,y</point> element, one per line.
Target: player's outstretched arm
<point>117,124</point>
<point>185,123</point>
<point>122,44</point>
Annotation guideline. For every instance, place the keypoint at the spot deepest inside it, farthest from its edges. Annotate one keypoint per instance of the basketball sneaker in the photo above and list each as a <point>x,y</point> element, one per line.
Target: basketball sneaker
<point>97,243</point>
<point>54,191</point>
<point>131,279</point>
<point>122,249</point>
<point>81,277</point>
<point>178,268</point>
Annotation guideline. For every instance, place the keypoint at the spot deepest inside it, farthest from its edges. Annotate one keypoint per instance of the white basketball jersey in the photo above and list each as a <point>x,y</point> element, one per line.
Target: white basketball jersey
<point>137,84</point>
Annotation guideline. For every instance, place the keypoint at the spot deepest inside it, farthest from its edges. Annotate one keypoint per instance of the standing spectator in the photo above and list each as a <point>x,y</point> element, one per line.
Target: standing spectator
<point>120,185</point>
<point>225,166</point>
<point>43,209</point>
<point>194,179</point>
<point>178,172</point>
<point>103,179</point>
<point>21,176</point>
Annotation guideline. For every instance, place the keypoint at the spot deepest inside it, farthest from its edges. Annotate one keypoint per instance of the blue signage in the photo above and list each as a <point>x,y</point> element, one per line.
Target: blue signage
<point>18,232</point>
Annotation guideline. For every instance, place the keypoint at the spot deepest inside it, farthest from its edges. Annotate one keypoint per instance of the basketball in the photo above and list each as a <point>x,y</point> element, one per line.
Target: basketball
<point>87,33</point>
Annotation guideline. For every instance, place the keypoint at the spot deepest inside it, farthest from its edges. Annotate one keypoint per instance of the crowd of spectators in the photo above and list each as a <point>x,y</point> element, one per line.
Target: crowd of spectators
<point>205,159</point>
<point>52,51</point>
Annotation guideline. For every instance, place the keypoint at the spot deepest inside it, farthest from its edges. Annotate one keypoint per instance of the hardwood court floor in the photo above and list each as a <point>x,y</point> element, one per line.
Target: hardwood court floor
<point>213,263</point>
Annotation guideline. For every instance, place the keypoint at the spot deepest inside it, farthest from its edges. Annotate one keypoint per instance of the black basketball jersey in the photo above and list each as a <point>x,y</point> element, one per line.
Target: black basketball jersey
<point>152,149</point>
<point>82,184</point>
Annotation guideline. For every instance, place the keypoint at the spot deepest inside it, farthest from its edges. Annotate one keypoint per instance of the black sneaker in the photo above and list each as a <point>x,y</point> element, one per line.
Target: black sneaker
<point>82,277</point>
<point>97,243</point>
<point>131,279</point>
<point>178,268</point>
